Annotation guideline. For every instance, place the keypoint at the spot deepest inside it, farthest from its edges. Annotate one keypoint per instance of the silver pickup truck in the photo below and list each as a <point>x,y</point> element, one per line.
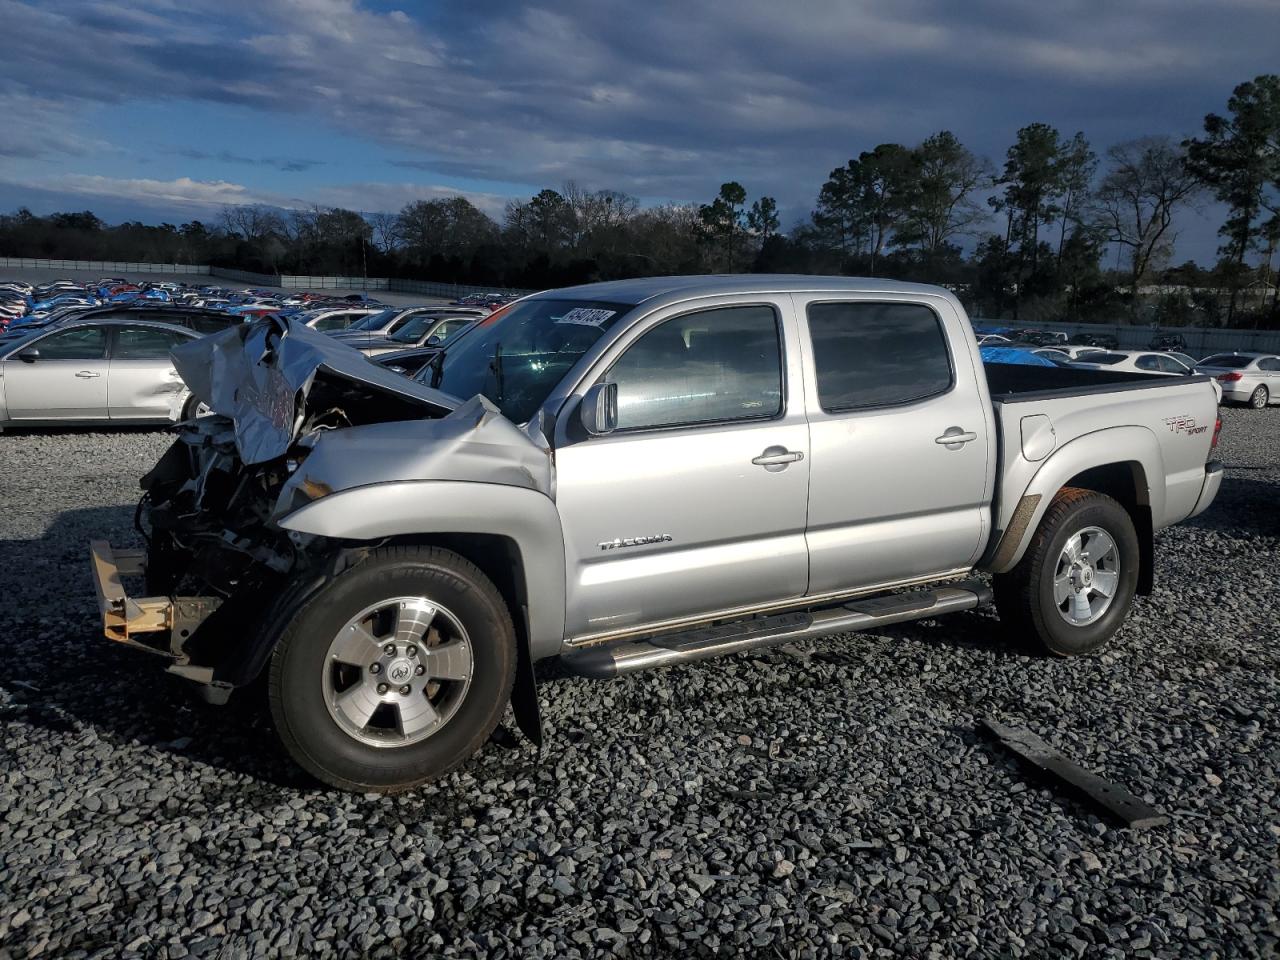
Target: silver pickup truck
<point>628,475</point>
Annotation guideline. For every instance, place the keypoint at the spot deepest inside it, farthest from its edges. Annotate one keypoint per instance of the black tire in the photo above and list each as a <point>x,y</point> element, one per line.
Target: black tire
<point>189,408</point>
<point>1260,398</point>
<point>1025,595</point>
<point>297,697</point>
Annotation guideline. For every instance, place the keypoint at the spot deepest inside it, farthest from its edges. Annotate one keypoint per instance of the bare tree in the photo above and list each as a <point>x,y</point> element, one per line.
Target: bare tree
<point>1146,184</point>
<point>251,221</point>
<point>386,231</point>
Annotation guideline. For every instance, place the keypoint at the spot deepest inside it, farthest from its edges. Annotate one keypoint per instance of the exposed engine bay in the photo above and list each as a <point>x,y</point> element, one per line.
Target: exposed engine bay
<point>297,417</point>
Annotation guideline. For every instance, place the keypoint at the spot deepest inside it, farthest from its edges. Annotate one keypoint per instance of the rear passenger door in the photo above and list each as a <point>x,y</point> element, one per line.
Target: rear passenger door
<point>696,503</point>
<point>142,383</point>
<point>901,473</point>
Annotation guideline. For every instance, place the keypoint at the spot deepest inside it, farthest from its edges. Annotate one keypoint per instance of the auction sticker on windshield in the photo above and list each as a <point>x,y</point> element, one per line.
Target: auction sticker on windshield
<point>585,316</point>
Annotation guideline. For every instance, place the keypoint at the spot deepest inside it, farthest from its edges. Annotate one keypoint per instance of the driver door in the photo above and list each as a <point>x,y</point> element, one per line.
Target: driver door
<point>66,381</point>
<point>696,503</point>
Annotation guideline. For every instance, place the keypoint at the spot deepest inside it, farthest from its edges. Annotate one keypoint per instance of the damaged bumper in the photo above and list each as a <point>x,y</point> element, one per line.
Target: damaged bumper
<point>158,625</point>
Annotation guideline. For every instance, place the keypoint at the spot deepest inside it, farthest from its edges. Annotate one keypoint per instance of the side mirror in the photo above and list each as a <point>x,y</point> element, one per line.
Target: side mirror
<point>29,355</point>
<point>599,411</point>
<point>434,340</point>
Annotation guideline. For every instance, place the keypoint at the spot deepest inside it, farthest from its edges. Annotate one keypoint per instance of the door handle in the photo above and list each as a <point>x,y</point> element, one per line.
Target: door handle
<point>88,374</point>
<point>953,438</point>
<point>777,458</point>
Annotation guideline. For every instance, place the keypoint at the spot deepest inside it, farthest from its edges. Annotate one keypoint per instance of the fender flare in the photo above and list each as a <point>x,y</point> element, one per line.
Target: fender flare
<point>1114,445</point>
<point>405,508</point>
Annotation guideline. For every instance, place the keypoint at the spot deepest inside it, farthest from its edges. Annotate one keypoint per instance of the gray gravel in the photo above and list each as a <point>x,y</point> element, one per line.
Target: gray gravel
<point>834,799</point>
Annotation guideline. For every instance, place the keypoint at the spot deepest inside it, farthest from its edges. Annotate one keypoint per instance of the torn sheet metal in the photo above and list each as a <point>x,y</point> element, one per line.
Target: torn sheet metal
<point>259,375</point>
<point>475,443</point>
<point>1115,799</point>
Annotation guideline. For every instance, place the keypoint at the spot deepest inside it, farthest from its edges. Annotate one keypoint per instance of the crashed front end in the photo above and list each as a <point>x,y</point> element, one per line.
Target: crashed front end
<point>218,568</point>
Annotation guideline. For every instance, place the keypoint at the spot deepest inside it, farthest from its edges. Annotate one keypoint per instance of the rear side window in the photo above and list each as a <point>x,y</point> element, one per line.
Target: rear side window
<point>145,343</point>
<point>1269,363</point>
<point>1228,360</point>
<point>335,321</point>
<point>711,366</point>
<point>877,354</point>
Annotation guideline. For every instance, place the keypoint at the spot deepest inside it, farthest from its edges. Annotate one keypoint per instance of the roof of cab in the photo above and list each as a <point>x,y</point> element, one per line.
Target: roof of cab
<point>646,289</point>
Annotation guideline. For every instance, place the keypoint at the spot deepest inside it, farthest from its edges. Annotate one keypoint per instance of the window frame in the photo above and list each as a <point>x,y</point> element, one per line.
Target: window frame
<point>780,334</point>
<point>855,408</point>
<point>106,342</point>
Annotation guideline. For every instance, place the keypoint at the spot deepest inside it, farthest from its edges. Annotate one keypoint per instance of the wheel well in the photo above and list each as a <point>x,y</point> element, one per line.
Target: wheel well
<point>500,560</point>
<point>1126,483</point>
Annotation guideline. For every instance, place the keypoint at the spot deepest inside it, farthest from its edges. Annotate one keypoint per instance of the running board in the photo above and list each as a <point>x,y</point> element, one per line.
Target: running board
<point>701,644</point>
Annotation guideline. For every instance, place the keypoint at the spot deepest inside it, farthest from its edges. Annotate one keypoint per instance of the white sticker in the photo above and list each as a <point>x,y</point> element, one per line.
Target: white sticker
<point>586,316</point>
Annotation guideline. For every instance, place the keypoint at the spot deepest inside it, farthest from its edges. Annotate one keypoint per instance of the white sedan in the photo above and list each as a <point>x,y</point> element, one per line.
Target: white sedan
<point>1140,361</point>
<point>94,372</point>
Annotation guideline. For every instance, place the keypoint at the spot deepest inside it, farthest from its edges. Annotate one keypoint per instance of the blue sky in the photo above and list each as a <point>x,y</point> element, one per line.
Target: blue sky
<point>168,109</point>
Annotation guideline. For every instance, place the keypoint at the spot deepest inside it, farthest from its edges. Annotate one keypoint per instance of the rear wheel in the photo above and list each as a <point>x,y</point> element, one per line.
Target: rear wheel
<point>1259,398</point>
<point>395,673</point>
<point>1072,588</point>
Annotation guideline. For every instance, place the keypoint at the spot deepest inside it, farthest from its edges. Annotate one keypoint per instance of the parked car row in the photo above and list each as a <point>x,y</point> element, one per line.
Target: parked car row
<point>101,355</point>
<point>23,303</point>
<point>1251,378</point>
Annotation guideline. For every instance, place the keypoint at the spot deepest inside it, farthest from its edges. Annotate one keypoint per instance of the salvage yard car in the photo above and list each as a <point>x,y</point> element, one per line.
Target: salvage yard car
<point>97,372</point>
<point>629,475</point>
<point>1252,378</point>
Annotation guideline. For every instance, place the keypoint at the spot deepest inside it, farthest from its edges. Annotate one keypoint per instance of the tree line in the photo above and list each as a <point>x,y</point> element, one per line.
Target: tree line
<point>1055,232</point>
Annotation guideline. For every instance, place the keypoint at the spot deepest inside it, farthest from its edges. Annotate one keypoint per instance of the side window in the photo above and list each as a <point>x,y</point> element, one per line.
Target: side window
<point>1171,365</point>
<point>877,354</point>
<point>80,343</point>
<point>145,343</point>
<point>707,367</point>
<point>335,321</point>
<point>1269,363</point>
<point>447,328</point>
<point>1148,362</point>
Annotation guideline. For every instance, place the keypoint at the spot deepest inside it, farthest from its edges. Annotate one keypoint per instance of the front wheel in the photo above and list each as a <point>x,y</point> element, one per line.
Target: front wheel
<point>395,673</point>
<point>1072,588</point>
<point>1259,398</point>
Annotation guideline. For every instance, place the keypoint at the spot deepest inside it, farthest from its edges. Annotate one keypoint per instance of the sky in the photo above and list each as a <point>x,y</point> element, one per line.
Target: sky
<point>170,109</point>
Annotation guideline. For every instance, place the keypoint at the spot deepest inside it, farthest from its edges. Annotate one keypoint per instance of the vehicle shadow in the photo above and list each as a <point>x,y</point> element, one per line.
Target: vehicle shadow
<point>50,622</point>
<point>1245,505</point>
<point>59,672</point>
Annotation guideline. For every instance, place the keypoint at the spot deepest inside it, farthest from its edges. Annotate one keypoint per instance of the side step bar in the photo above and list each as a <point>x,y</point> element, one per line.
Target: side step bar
<point>701,644</point>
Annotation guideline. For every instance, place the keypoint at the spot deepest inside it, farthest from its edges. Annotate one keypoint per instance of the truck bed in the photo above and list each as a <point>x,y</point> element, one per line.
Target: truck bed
<point>1015,382</point>
<point>1173,417</point>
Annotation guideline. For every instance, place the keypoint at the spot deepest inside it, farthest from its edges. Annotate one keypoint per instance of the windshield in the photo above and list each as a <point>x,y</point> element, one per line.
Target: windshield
<point>374,321</point>
<point>516,356</point>
<point>1228,360</point>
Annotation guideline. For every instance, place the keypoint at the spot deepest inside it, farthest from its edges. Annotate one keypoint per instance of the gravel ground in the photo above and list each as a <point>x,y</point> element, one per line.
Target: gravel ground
<point>835,800</point>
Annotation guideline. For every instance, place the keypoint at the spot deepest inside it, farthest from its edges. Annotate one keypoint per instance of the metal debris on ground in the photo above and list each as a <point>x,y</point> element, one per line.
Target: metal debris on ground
<point>1113,798</point>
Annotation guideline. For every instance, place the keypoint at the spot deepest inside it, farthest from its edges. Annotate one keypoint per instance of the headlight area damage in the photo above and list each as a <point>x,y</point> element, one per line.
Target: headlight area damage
<point>297,416</point>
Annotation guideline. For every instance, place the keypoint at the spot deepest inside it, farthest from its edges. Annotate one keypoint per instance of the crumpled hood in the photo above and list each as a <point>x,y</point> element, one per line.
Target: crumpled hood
<point>475,444</point>
<point>259,374</point>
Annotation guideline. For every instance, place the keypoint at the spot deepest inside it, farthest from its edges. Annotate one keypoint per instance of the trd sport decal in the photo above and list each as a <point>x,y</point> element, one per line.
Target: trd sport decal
<point>1185,425</point>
